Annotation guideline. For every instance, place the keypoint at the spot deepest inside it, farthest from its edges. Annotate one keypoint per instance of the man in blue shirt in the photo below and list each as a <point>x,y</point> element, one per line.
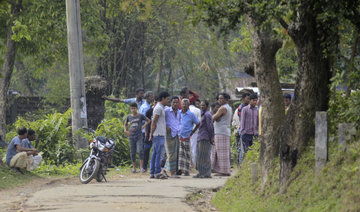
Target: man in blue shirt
<point>172,118</point>
<point>188,120</point>
<point>139,99</point>
<point>149,98</point>
<point>19,157</point>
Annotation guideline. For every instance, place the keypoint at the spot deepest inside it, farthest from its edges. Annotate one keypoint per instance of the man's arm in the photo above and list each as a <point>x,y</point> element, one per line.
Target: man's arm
<point>125,128</point>
<point>242,122</point>
<point>27,150</point>
<point>112,99</point>
<point>194,96</point>
<point>153,126</point>
<point>210,127</point>
<point>222,111</point>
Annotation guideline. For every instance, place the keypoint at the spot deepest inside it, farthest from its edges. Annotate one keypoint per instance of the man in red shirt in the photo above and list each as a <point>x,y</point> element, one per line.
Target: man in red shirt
<point>185,93</point>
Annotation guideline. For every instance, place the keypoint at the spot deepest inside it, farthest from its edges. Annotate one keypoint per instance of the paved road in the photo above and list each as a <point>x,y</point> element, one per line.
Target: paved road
<point>120,194</point>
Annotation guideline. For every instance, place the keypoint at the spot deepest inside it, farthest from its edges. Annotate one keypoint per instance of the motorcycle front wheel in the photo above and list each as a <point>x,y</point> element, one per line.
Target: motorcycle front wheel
<point>99,177</point>
<point>88,173</point>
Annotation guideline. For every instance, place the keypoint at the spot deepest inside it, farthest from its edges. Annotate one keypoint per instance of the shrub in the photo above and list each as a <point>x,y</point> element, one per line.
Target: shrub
<point>52,132</point>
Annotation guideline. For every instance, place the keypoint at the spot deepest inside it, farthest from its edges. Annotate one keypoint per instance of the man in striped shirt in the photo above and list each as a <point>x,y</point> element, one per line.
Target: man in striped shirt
<point>249,124</point>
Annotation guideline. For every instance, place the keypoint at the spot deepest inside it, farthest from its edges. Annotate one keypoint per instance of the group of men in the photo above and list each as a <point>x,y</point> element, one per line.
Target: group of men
<point>182,133</point>
<point>247,121</point>
<point>21,155</point>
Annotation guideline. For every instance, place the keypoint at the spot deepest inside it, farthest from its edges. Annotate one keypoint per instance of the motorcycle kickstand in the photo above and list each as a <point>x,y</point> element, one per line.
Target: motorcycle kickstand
<point>104,177</point>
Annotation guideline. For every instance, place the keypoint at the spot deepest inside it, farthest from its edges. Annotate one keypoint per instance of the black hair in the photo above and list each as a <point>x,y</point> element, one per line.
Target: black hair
<point>133,104</point>
<point>287,96</point>
<point>139,90</point>
<point>197,100</point>
<point>253,96</point>
<point>174,97</point>
<point>148,93</point>
<point>31,132</point>
<point>244,95</point>
<point>225,95</point>
<point>206,102</point>
<point>184,91</point>
<point>156,98</point>
<point>215,104</point>
<point>22,131</point>
<point>163,95</point>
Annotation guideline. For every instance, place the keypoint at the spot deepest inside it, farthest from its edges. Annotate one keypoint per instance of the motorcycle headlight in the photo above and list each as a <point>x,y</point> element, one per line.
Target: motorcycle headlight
<point>100,146</point>
<point>91,145</point>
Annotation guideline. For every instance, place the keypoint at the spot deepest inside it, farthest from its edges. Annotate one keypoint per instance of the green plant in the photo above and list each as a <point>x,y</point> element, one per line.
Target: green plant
<point>52,132</point>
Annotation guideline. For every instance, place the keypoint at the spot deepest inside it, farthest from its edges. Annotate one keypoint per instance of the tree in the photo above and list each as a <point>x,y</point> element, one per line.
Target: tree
<point>13,9</point>
<point>313,28</point>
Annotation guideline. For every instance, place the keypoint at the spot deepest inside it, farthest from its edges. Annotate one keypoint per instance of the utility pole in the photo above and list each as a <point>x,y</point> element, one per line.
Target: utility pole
<point>76,70</point>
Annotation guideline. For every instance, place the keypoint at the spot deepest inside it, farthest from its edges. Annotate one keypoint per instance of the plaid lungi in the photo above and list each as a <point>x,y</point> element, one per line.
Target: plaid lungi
<point>171,148</point>
<point>220,157</point>
<point>203,161</point>
<point>184,155</point>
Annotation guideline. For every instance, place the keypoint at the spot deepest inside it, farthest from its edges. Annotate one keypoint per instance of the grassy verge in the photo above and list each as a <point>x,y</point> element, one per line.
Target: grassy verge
<point>336,188</point>
<point>10,178</point>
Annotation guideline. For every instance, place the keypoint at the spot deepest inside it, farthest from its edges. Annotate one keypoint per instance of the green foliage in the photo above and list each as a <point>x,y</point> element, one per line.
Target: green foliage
<point>65,169</point>
<point>53,133</point>
<point>112,127</point>
<point>336,188</point>
<point>343,109</point>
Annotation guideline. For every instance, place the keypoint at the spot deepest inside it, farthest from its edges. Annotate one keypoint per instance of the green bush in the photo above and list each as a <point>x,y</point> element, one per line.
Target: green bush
<point>112,127</point>
<point>52,132</point>
<point>343,109</point>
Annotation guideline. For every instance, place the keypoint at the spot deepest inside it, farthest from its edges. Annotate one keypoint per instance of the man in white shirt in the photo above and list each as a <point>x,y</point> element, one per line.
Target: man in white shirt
<point>193,139</point>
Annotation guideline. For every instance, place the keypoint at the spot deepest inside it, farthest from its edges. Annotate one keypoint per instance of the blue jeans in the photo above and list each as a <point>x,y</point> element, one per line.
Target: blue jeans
<point>136,146</point>
<point>158,148</point>
<point>147,148</point>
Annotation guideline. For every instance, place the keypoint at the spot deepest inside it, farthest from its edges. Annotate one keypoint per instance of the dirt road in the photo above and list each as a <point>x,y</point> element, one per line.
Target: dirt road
<point>122,193</point>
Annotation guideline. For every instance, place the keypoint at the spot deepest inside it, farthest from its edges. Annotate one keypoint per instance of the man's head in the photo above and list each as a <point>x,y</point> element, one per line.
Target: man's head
<point>197,103</point>
<point>246,98</point>
<point>253,100</point>
<point>140,93</point>
<point>185,104</point>
<point>287,99</point>
<point>204,105</point>
<point>164,97</point>
<point>133,108</point>
<point>175,103</point>
<point>184,93</point>
<point>22,132</point>
<point>223,98</point>
<point>31,135</point>
<point>149,96</point>
<point>215,107</point>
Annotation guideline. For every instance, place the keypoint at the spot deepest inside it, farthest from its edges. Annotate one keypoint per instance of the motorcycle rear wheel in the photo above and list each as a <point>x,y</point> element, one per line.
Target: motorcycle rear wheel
<point>87,177</point>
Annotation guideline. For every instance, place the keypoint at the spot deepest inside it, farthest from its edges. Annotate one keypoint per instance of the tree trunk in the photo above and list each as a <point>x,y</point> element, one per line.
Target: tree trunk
<point>272,116</point>
<point>311,92</point>
<point>158,74</point>
<point>7,69</point>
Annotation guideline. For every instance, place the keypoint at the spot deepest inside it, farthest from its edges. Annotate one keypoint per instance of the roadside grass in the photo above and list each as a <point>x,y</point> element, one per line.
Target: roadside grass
<point>11,178</point>
<point>336,188</point>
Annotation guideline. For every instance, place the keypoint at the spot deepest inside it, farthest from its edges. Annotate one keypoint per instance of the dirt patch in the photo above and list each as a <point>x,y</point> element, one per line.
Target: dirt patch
<point>201,200</point>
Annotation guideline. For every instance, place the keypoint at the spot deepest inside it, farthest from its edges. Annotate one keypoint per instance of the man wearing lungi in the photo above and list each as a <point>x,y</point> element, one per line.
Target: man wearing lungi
<point>188,120</point>
<point>220,157</point>
<point>172,118</point>
<point>204,140</point>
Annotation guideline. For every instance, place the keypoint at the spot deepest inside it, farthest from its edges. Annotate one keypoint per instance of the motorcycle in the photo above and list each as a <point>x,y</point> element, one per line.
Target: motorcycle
<point>96,165</point>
